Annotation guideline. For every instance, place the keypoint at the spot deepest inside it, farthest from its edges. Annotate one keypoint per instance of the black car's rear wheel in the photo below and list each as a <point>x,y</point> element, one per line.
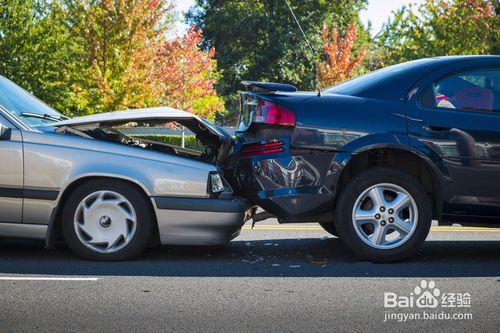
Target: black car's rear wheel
<point>383,215</point>
<point>107,220</point>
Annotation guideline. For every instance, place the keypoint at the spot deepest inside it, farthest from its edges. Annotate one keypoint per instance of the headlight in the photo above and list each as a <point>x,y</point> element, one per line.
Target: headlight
<point>216,185</point>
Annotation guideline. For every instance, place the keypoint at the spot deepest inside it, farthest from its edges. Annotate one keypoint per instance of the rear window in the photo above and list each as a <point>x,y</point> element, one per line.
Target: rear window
<point>362,82</point>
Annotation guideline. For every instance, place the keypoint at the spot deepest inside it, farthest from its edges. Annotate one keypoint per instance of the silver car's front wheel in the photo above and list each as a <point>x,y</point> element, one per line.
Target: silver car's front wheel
<point>385,216</point>
<point>105,221</point>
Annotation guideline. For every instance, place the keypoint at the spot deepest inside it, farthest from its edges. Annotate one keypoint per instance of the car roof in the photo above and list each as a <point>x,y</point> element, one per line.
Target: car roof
<point>393,82</point>
<point>466,57</point>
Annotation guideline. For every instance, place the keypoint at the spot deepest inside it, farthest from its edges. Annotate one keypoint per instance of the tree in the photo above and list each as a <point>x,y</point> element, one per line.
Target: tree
<point>120,39</point>
<point>259,40</point>
<point>441,27</point>
<point>188,75</point>
<point>340,63</point>
<point>36,51</point>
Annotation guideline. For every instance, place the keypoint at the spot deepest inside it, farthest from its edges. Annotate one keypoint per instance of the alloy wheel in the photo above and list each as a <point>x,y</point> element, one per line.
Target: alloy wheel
<point>385,216</point>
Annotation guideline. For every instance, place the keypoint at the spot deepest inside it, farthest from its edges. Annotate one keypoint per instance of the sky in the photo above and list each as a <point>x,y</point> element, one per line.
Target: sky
<point>378,11</point>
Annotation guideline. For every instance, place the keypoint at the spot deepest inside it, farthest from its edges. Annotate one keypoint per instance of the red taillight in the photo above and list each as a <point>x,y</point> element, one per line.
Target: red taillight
<point>262,149</point>
<point>273,114</point>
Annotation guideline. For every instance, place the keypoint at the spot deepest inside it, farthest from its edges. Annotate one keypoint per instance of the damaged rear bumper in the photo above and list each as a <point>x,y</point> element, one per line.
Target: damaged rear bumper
<point>291,186</point>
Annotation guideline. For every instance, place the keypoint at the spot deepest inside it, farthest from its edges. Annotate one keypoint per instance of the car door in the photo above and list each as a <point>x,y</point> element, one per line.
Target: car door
<point>11,172</point>
<point>457,116</point>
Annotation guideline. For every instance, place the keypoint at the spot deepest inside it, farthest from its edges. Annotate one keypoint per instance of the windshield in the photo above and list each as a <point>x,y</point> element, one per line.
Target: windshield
<point>359,83</point>
<point>25,107</point>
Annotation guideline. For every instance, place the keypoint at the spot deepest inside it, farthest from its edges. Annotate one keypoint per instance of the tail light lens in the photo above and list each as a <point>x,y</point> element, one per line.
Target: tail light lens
<point>262,149</point>
<point>273,114</point>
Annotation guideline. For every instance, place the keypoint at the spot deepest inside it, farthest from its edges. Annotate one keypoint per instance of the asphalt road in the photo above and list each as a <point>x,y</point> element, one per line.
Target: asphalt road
<point>270,279</point>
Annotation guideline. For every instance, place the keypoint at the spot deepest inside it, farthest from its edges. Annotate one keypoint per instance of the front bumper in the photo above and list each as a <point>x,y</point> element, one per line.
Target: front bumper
<point>199,221</point>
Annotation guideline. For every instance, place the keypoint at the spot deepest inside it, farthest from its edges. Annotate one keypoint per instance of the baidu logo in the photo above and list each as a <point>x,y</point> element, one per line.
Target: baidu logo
<point>426,295</point>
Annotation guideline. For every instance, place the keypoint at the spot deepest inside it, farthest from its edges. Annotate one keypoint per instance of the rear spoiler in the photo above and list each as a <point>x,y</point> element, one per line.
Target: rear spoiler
<point>268,87</point>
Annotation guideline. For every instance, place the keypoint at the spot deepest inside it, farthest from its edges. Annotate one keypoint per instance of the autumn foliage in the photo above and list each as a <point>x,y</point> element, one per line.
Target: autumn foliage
<point>187,75</point>
<point>340,63</point>
<point>91,56</point>
<point>119,40</point>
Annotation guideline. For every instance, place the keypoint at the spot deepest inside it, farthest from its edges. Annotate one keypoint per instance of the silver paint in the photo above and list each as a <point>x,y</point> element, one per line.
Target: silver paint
<point>198,228</point>
<point>11,176</point>
<point>22,230</point>
<point>55,161</point>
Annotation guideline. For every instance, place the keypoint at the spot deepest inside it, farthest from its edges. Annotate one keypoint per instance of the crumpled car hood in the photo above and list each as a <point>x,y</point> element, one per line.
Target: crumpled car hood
<point>128,115</point>
<point>204,128</point>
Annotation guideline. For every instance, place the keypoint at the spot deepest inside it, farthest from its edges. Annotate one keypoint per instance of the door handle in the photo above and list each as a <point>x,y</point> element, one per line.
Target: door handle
<point>436,128</point>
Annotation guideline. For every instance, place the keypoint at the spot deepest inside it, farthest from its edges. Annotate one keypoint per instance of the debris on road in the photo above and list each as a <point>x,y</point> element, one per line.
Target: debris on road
<point>318,261</point>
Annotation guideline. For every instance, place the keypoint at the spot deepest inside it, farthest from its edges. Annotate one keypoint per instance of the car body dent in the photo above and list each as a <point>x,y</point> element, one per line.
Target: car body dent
<point>338,127</point>
<point>330,130</point>
<point>292,185</point>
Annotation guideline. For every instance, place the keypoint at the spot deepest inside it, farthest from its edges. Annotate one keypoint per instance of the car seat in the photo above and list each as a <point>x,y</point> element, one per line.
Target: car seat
<point>475,98</point>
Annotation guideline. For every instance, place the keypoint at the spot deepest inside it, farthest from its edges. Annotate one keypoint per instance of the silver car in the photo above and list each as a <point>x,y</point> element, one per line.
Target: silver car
<point>107,193</point>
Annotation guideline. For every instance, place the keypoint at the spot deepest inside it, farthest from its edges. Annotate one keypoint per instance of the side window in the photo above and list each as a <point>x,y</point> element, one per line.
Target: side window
<point>477,90</point>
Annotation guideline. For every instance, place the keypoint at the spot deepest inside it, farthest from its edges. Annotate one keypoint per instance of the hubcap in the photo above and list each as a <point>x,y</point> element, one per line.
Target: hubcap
<point>385,216</point>
<point>105,221</point>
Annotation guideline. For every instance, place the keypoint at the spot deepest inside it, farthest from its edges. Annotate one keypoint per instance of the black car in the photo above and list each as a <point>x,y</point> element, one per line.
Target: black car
<point>375,159</point>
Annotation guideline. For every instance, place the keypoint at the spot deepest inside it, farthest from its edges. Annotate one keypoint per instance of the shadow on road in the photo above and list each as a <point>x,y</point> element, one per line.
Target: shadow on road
<point>263,258</point>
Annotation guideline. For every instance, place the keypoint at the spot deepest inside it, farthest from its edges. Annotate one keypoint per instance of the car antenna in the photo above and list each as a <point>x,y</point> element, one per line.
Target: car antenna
<point>305,37</point>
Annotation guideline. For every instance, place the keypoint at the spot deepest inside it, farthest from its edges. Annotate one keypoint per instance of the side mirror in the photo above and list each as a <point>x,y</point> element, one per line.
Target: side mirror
<point>5,132</point>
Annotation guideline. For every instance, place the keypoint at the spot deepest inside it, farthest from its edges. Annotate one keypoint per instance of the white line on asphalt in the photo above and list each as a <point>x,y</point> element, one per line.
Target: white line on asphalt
<point>31,278</point>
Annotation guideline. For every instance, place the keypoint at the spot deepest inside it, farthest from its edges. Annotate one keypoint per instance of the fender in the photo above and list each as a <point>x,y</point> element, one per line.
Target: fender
<point>436,165</point>
<point>431,157</point>
<point>401,142</point>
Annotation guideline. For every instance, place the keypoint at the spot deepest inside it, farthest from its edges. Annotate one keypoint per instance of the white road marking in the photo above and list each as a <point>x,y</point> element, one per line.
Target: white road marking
<point>43,278</point>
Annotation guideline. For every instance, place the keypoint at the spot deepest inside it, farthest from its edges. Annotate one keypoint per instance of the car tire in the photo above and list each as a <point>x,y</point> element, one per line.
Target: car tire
<point>389,235</point>
<point>330,228</point>
<point>107,220</point>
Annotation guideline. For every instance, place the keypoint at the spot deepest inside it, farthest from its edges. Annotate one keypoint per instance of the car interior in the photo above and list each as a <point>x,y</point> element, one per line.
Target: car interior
<point>478,90</point>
